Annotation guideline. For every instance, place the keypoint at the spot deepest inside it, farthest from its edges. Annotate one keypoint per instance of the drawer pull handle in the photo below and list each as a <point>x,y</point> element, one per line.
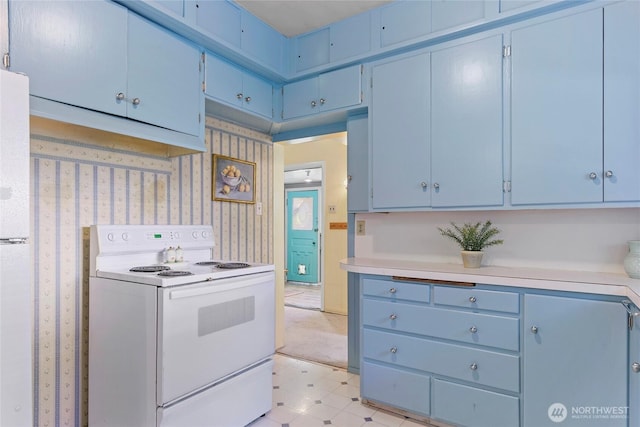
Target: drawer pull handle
<point>393,317</point>
<point>474,366</point>
<point>472,299</point>
<point>635,367</point>
<point>392,290</point>
<point>473,329</point>
<point>534,329</point>
<point>393,350</point>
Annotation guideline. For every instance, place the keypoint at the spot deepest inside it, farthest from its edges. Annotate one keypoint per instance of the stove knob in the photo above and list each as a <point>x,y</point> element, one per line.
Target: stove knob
<point>110,237</point>
<point>125,236</point>
<point>195,234</point>
<point>205,234</point>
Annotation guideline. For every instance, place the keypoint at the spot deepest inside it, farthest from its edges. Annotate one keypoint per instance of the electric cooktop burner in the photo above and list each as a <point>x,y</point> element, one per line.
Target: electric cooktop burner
<point>231,265</point>
<point>208,263</point>
<point>149,268</point>
<point>175,273</point>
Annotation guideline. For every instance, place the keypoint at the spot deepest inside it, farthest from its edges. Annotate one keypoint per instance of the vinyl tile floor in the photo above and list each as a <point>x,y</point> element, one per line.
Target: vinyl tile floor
<point>308,394</point>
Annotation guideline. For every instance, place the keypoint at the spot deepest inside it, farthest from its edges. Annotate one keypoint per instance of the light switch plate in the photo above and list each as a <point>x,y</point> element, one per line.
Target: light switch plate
<point>360,228</point>
<point>258,208</point>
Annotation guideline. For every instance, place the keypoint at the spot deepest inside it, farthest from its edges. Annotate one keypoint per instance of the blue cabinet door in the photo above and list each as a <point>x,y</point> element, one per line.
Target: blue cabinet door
<point>358,164</point>
<point>350,37</point>
<point>73,52</point>
<point>219,18</point>
<point>223,81</point>
<point>402,21</point>
<point>311,49</point>
<point>556,111</point>
<point>237,88</point>
<point>446,13</point>
<point>400,144</point>
<point>340,88</point>
<point>575,359</point>
<point>164,74</point>
<point>622,102</point>
<point>299,98</point>
<point>261,42</point>
<point>466,124</point>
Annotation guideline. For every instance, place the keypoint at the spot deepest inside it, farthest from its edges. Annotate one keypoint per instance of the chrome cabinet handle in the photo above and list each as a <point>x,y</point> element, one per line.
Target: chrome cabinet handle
<point>322,101</point>
<point>473,329</point>
<point>436,186</point>
<point>393,350</point>
<point>534,329</point>
<point>393,317</point>
<point>635,367</point>
<point>248,99</point>
<point>593,175</point>
<point>608,174</point>
<point>392,290</point>
<point>136,101</point>
<point>239,95</point>
<point>472,299</point>
<point>473,366</point>
<point>423,184</point>
<point>120,96</point>
<point>313,104</point>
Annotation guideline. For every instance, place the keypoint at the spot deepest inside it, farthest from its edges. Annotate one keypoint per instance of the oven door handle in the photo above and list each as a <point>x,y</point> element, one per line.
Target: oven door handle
<point>217,286</point>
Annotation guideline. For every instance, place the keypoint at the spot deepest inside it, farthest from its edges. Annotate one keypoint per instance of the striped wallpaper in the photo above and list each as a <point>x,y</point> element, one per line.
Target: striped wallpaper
<point>76,183</point>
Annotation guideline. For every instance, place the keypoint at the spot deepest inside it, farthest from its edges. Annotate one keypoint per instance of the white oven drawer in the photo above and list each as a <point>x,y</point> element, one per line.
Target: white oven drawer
<point>211,329</point>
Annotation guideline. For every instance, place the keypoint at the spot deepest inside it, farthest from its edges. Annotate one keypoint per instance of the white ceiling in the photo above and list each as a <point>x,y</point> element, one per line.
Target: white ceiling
<point>294,17</point>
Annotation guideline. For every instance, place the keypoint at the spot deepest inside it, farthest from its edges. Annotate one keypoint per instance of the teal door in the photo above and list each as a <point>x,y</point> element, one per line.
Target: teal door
<point>302,236</point>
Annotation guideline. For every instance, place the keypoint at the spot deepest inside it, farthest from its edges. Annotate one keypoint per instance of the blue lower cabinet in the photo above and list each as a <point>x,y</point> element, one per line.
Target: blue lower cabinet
<point>473,407</point>
<point>402,389</point>
<point>474,365</point>
<point>633,369</point>
<point>575,362</point>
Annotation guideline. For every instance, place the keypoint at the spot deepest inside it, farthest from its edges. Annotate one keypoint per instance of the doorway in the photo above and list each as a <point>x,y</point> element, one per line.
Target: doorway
<point>303,239</point>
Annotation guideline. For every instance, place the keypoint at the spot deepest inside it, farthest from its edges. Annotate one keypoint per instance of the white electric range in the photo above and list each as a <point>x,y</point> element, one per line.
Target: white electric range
<point>181,343</point>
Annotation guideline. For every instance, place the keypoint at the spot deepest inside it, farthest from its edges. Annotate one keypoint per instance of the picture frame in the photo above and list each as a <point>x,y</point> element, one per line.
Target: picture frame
<point>233,180</point>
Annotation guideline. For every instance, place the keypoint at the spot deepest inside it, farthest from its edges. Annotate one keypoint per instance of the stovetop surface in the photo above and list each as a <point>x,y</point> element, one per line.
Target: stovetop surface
<point>196,273</point>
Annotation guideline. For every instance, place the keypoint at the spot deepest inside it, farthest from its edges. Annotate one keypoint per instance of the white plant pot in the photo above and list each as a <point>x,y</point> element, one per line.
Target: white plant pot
<point>471,259</point>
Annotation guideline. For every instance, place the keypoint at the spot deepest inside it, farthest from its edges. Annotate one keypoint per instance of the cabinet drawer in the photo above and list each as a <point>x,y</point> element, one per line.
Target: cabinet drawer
<point>395,290</point>
<point>468,406</point>
<point>472,328</point>
<point>396,387</point>
<point>508,302</point>
<point>456,361</point>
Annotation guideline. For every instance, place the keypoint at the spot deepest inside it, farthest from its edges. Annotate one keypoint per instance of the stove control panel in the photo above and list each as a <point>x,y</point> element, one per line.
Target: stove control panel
<point>134,238</point>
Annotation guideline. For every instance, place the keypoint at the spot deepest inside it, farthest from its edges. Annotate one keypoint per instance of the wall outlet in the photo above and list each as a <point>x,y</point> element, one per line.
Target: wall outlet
<point>360,228</point>
<point>332,209</point>
<point>258,208</point>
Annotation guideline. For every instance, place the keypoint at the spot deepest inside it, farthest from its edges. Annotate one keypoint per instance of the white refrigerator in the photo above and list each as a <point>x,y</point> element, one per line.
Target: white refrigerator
<point>16,300</point>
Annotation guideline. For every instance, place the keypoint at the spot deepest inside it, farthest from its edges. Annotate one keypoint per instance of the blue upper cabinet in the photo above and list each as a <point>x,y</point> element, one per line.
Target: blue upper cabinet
<point>466,124</point>
<point>262,42</point>
<point>400,133</point>
<point>164,76</point>
<point>99,56</point>
<point>339,42</point>
<point>446,14</point>
<point>311,50</point>
<point>329,91</point>
<point>621,173</point>
<point>358,164</point>
<point>237,88</point>
<point>556,111</point>
<point>404,20</point>
<point>62,47</point>
<point>221,19</point>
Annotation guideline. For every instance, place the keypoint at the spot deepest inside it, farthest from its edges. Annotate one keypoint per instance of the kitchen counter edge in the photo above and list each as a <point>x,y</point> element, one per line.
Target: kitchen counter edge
<point>521,277</point>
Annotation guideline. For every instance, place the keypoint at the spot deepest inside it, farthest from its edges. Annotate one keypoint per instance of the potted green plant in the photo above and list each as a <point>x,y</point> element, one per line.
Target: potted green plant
<point>472,238</point>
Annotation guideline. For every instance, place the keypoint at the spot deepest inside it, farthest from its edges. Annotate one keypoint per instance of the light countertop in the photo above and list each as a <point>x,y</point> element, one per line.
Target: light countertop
<point>555,280</point>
